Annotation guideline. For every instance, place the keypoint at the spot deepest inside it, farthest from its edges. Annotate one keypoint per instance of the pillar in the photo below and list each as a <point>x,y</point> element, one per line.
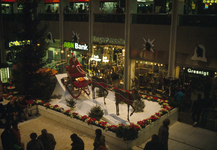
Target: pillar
<point>172,44</point>
<point>2,47</point>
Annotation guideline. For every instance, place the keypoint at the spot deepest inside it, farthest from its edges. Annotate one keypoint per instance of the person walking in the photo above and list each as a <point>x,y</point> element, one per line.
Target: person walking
<point>47,140</point>
<point>196,110</point>
<point>99,141</point>
<point>154,144</point>
<point>163,133</point>
<point>78,143</point>
<point>34,144</point>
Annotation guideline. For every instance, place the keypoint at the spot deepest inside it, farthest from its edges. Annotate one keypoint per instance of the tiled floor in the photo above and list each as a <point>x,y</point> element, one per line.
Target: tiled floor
<point>181,136</point>
<point>186,137</point>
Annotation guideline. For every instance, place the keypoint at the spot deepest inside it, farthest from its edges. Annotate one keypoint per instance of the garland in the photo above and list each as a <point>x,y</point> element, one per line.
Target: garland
<point>127,132</point>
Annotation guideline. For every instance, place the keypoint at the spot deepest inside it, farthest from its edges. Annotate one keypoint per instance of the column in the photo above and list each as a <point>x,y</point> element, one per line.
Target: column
<point>61,17</point>
<point>15,7</point>
<point>41,7</point>
<point>172,45</point>
<point>130,7</point>
<point>2,47</point>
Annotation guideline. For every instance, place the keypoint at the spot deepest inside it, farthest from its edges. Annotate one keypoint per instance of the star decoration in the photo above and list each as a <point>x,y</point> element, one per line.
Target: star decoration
<point>148,45</point>
<point>75,37</point>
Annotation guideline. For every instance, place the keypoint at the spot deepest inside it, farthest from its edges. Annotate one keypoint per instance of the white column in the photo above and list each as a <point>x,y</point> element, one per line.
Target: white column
<point>172,46</point>
<point>15,7</point>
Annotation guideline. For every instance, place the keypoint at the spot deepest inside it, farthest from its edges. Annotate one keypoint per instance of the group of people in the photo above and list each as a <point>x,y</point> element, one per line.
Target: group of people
<point>13,110</point>
<point>160,141</point>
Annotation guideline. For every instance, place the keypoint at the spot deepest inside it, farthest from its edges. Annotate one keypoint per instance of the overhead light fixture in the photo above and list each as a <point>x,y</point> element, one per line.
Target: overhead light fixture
<point>62,51</point>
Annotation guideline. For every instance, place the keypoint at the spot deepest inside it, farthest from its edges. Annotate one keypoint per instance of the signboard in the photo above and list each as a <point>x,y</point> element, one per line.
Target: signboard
<point>202,72</point>
<point>103,40</point>
<point>96,58</point>
<point>78,46</point>
<point>18,43</point>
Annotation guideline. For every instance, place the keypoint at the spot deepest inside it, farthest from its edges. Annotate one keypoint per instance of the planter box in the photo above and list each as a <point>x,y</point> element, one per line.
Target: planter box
<point>143,136</point>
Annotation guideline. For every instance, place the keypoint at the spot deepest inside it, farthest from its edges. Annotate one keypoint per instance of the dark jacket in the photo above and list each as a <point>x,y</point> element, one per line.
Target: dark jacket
<point>77,144</point>
<point>48,141</point>
<point>163,135</point>
<point>34,145</point>
<point>154,146</point>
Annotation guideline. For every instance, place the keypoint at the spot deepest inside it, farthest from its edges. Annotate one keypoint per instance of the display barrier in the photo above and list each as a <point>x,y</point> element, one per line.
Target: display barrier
<point>79,125</point>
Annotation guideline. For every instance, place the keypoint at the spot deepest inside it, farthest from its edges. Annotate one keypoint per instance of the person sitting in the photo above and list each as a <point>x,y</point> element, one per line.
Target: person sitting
<point>78,143</point>
<point>75,69</point>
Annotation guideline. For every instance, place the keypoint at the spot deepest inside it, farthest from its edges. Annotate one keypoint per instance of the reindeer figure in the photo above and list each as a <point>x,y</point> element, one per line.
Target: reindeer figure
<point>102,84</point>
<point>127,97</point>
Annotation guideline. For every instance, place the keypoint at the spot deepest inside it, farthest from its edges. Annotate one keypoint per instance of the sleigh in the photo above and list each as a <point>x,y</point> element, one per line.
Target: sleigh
<point>75,82</point>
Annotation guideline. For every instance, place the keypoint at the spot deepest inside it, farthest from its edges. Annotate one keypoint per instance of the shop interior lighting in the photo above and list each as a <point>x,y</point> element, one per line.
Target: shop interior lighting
<point>68,55</point>
<point>56,53</point>
<point>123,50</point>
<point>38,44</point>
<point>146,62</point>
<point>136,61</point>
<point>151,63</point>
<point>158,64</point>
<point>62,51</point>
<point>140,62</point>
<point>8,72</point>
<point>155,64</point>
<point>161,64</point>
<point>183,68</point>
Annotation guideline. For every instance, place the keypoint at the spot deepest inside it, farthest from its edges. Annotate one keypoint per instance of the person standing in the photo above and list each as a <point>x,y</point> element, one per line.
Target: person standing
<point>17,133</point>
<point>99,141</point>
<point>47,140</point>
<point>11,111</point>
<point>196,110</point>
<point>154,144</point>
<point>34,144</point>
<point>207,105</point>
<point>8,137</point>
<point>180,98</point>
<point>163,133</point>
<point>22,107</point>
<point>78,143</point>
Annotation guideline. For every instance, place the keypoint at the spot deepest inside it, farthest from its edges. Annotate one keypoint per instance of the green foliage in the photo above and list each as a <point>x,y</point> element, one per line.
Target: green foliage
<point>70,102</point>
<point>96,112</point>
<point>127,132</point>
<point>30,56</point>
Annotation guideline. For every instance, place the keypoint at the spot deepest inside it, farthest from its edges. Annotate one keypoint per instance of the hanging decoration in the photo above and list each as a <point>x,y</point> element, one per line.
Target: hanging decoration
<point>147,46</point>
<point>199,53</point>
<point>75,37</point>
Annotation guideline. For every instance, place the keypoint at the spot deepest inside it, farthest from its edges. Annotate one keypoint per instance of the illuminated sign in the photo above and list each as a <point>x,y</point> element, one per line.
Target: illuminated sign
<point>204,73</point>
<point>104,59</point>
<point>19,43</point>
<point>209,1</point>
<point>76,46</point>
<point>96,58</point>
<point>101,40</point>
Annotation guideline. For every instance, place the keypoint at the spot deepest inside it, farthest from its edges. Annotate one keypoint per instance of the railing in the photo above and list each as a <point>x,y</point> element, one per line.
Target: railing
<point>113,18</point>
<point>158,19</point>
<point>161,19</point>
<point>198,20</point>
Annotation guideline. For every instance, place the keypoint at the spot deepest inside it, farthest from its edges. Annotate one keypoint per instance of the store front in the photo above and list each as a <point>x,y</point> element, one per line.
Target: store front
<point>108,58</point>
<point>7,6</point>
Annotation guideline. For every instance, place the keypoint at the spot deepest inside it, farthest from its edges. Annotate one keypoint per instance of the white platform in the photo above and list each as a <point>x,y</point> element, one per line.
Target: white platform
<point>85,103</point>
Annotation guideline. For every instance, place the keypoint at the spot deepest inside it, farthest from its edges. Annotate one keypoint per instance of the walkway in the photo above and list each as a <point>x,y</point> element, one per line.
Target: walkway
<point>182,136</point>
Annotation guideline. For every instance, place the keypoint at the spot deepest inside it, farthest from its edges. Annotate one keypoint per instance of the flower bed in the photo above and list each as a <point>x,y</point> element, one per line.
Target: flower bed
<point>128,133</point>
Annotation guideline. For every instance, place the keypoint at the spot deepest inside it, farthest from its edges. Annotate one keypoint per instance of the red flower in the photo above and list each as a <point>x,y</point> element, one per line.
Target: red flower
<point>115,87</point>
<point>153,117</point>
<point>42,102</point>
<point>55,106</point>
<point>47,104</point>
<point>155,98</point>
<point>68,111</point>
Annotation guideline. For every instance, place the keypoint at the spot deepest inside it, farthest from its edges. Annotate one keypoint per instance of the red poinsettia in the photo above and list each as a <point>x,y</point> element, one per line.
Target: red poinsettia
<point>112,127</point>
<point>47,104</point>
<point>158,114</point>
<point>91,120</point>
<point>154,98</point>
<point>102,123</point>
<point>84,117</point>
<point>55,106</point>
<point>153,118</point>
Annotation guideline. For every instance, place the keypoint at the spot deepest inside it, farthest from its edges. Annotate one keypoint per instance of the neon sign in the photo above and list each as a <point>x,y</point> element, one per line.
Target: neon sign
<point>104,59</point>
<point>96,58</point>
<point>101,40</point>
<point>204,73</point>
<point>76,46</point>
<point>19,43</point>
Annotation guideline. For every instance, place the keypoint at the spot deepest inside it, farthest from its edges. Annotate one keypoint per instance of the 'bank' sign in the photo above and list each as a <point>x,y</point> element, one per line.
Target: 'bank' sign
<point>76,46</point>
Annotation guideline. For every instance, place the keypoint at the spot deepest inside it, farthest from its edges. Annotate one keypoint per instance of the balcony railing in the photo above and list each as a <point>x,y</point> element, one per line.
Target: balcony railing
<point>157,19</point>
<point>161,19</point>
<point>113,18</point>
<point>198,20</point>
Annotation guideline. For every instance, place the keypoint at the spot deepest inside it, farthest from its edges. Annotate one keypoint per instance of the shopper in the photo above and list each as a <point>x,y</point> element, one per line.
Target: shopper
<point>47,140</point>
<point>8,137</point>
<point>11,111</point>
<point>22,108</point>
<point>207,105</point>
<point>99,141</point>
<point>196,110</point>
<point>78,143</point>
<point>163,133</point>
<point>17,133</point>
<point>154,144</point>
<point>34,144</point>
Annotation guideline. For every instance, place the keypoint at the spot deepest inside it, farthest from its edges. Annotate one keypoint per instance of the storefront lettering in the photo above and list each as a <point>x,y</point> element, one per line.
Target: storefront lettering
<point>81,47</point>
<point>104,59</point>
<point>101,40</point>
<point>204,73</point>
<point>96,58</point>
<point>19,43</point>
<point>76,46</point>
